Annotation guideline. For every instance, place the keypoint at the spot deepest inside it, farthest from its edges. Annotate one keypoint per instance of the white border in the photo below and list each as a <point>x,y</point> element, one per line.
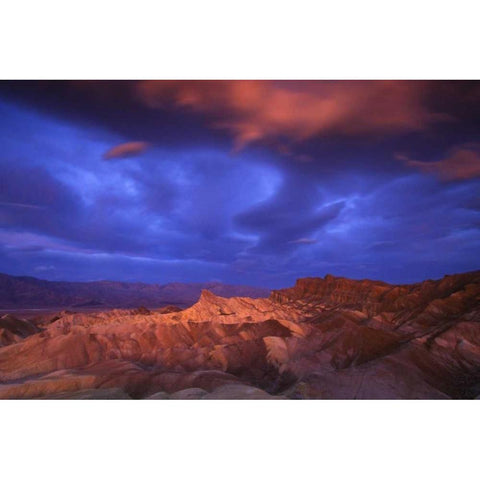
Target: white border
<point>345,39</point>
<point>239,439</point>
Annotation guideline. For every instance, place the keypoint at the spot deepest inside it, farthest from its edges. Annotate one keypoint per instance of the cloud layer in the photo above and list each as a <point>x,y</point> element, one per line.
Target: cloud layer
<point>271,110</point>
<point>313,188</point>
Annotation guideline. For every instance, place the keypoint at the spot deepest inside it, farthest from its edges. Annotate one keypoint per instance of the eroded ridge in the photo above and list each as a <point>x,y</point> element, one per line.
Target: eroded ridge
<point>323,338</point>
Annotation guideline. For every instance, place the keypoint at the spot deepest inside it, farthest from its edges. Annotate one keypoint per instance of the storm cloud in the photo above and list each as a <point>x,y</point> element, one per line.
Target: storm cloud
<point>362,179</point>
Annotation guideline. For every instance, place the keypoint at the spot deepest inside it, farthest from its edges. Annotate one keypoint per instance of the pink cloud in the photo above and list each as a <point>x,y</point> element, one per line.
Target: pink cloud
<point>296,110</point>
<point>462,164</point>
<point>126,150</point>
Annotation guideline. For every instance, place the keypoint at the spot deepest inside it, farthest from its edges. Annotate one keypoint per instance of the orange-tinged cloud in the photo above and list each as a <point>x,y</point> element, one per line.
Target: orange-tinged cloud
<point>297,110</point>
<point>462,164</point>
<point>126,150</point>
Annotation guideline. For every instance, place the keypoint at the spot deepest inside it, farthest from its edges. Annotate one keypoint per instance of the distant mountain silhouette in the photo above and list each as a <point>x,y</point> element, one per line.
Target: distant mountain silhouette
<point>30,292</point>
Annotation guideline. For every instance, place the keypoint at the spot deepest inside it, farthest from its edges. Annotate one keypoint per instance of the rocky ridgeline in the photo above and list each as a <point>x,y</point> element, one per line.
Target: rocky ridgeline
<point>375,297</point>
<point>323,338</point>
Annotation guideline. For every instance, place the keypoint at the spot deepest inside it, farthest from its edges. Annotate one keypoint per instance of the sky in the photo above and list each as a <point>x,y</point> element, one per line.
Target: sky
<point>244,182</point>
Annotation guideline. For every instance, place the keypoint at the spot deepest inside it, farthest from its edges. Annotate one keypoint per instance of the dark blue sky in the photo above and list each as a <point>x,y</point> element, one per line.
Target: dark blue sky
<point>244,182</point>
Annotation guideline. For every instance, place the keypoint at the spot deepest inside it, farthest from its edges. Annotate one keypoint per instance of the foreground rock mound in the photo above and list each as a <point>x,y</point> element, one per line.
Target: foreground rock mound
<point>323,338</point>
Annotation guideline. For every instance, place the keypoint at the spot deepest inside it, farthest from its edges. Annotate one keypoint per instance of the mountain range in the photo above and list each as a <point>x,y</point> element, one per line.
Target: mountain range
<point>30,292</point>
<point>323,338</point>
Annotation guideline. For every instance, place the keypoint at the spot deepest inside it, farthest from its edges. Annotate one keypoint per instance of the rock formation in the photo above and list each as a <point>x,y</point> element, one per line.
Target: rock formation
<point>13,329</point>
<point>323,338</point>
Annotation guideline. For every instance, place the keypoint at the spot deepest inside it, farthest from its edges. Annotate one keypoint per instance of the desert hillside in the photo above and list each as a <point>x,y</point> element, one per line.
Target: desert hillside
<point>324,338</point>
